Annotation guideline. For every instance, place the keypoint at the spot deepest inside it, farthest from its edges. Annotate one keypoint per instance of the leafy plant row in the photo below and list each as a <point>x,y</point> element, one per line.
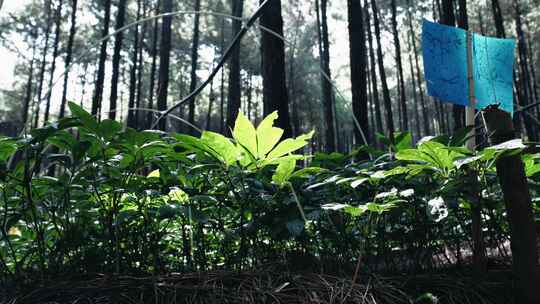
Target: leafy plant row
<point>93,196</point>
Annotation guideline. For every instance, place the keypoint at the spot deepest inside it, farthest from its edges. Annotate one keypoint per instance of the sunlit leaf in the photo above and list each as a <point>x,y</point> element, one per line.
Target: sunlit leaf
<point>267,135</point>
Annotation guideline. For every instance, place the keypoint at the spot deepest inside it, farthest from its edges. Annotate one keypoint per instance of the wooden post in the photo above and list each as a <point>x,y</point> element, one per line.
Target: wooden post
<point>517,199</point>
<point>479,256</point>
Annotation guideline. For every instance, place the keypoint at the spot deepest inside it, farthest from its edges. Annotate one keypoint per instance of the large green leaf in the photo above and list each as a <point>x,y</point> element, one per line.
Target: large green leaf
<point>284,171</point>
<point>290,145</point>
<point>7,148</point>
<point>403,140</point>
<point>222,147</point>
<point>108,128</point>
<point>245,134</point>
<point>87,120</point>
<point>267,135</point>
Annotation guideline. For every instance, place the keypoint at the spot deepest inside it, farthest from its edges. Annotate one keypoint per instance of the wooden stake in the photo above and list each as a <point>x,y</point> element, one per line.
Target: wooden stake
<point>479,256</point>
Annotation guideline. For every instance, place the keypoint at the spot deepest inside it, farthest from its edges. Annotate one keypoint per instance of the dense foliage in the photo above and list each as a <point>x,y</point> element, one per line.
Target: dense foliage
<point>82,195</point>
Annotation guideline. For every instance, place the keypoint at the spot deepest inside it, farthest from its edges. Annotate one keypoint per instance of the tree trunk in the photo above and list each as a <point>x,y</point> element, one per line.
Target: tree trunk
<point>222,83</point>
<point>153,68</point>
<point>417,119</point>
<point>43,63</point>
<point>132,114</point>
<point>517,199</point>
<point>425,116</point>
<point>497,16</point>
<point>372,69</point>
<point>327,94</point>
<point>401,82</point>
<point>29,84</point>
<point>211,100</point>
<point>524,75</point>
<point>98,90</point>
<point>234,95</point>
<point>382,74</point>
<point>120,20</point>
<point>140,68</point>
<point>448,18</point>
<point>56,46</point>
<point>358,56</point>
<point>69,55</point>
<point>275,96</point>
<point>194,64</point>
<point>164,59</point>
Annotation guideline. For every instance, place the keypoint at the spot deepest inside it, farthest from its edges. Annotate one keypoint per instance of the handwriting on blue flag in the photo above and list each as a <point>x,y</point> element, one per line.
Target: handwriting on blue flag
<point>445,62</point>
<point>493,67</point>
<point>445,66</point>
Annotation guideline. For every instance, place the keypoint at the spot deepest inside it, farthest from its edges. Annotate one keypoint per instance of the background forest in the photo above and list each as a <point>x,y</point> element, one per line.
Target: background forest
<point>160,151</point>
<point>55,51</point>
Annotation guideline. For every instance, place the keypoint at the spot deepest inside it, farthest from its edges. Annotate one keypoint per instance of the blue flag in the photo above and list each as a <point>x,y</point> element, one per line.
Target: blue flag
<point>445,66</point>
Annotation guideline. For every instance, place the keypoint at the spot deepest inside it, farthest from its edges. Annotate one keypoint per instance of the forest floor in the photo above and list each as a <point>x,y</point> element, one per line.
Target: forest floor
<point>271,286</point>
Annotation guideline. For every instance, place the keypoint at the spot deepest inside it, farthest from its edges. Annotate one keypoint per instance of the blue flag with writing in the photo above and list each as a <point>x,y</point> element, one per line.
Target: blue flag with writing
<point>445,66</point>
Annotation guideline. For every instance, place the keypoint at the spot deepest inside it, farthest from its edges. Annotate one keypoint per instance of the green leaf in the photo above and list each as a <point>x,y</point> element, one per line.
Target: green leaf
<point>108,128</point>
<point>245,134</point>
<point>176,194</point>
<point>222,147</point>
<point>154,174</point>
<point>267,135</point>
<point>307,172</point>
<point>290,145</point>
<point>284,171</point>
<point>403,140</point>
<point>63,140</point>
<point>87,120</point>
<point>7,148</point>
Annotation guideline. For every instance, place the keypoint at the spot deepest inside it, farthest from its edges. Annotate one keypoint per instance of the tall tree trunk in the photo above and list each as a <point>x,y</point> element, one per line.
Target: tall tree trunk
<point>234,94</point>
<point>43,62</point>
<point>401,82</point>
<point>211,100</point>
<point>56,46</point>
<point>517,199</point>
<point>449,18</point>
<point>120,20</point>
<point>140,68</point>
<point>222,83</point>
<point>497,16</point>
<point>425,115</point>
<point>382,73</point>
<point>194,64</point>
<point>164,60</point>
<point>132,114</point>
<point>417,122</point>
<point>275,96</point>
<point>153,68</point>
<point>524,85</point>
<point>372,69</point>
<point>358,55</point>
<point>327,94</point>
<point>98,90</point>
<point>29,83</point>
<point>532,66</point>
<point>69,55</point>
